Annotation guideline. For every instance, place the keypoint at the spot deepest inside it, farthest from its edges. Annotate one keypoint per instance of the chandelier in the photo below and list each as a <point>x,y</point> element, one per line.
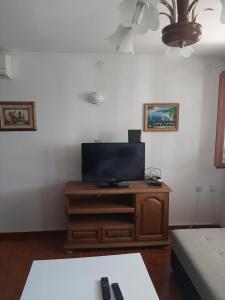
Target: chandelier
<point>140,16</point>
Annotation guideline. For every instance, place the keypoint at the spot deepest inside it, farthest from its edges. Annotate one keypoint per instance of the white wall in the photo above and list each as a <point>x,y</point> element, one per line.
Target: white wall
<point>34,166</point>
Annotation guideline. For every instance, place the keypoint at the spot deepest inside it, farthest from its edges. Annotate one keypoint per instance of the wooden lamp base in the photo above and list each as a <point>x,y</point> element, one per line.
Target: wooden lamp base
<point>181,34</point>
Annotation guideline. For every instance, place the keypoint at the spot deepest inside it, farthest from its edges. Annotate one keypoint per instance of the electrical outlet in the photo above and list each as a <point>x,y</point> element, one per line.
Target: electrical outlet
<point>198,188</point>
<point>212,188</point>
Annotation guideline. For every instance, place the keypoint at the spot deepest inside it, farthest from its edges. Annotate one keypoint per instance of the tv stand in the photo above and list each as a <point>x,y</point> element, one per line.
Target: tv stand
<point>112,185</point>
<point>133,216</point>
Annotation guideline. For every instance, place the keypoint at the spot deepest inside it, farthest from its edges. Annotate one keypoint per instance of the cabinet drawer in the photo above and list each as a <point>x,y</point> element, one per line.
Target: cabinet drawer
<point>118,233</point>
<point>84,234</point>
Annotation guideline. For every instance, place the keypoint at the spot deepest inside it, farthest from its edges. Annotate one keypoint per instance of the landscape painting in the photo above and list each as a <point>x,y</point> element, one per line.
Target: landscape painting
<point>161,116</point>
<point>17,116</point>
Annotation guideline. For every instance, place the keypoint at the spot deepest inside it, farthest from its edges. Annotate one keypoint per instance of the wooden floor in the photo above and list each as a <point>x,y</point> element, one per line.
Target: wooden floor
<point>17,251</point>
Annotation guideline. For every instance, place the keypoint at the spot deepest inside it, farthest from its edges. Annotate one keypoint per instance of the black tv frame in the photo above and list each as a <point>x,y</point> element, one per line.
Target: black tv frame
<point>113,182</point>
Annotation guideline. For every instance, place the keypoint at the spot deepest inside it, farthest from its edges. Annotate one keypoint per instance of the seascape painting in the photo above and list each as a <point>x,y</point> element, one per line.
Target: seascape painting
<point>161,117</point>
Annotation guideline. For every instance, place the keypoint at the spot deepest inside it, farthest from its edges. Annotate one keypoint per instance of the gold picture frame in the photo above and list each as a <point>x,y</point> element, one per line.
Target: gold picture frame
<point>161,116</point>
<point>16,116</point>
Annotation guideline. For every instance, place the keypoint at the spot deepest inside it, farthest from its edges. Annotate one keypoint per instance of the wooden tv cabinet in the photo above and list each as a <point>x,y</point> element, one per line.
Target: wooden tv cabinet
<point>116,217</point>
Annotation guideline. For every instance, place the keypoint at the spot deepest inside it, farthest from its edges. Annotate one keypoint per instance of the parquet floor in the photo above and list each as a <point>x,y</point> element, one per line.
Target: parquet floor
<point>17,251</point>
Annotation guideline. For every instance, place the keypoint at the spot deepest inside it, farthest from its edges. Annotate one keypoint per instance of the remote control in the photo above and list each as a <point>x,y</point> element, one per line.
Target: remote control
<point>105,288</point>
<point>117,291</point>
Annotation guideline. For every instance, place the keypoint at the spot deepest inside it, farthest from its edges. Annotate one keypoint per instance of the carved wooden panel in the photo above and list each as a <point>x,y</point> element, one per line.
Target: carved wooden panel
<point>84,234</point>
<point>152,210</point>
<point>118,233</point>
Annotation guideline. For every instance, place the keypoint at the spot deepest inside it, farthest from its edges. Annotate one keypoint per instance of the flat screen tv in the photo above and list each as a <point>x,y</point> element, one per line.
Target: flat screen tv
<point>109,164</point>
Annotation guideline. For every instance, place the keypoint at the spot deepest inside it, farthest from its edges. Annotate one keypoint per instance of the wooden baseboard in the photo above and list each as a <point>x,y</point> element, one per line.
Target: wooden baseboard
<point>74,245</point>
<point>172,227</point>
<point>30,234</point>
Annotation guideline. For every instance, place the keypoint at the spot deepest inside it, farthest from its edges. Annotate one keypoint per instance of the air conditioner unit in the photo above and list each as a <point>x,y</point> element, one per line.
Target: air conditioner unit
<point>5,66</point>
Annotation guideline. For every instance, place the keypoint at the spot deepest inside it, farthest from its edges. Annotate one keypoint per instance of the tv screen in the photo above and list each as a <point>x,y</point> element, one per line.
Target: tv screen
<point>113,162</point>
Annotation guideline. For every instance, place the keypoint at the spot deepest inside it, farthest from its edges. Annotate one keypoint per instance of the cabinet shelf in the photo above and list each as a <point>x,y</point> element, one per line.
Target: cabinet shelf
<point>90,207</point>
<point>101,220</point>
<point>101,204</point>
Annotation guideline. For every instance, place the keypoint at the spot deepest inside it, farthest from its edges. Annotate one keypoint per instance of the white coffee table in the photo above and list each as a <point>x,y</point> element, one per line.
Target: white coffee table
<point>79,278</point>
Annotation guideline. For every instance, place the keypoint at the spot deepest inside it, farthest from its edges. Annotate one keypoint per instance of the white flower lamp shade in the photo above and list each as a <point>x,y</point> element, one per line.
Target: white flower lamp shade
<point>222,16</point>
<point>150,20</point>
<point>123,39</point>
<point>140,11</point>
<point>176,52</point>
<point>187,51</point>
<point>172,52</point>
<point>126,12</point>
<point>143,14</point>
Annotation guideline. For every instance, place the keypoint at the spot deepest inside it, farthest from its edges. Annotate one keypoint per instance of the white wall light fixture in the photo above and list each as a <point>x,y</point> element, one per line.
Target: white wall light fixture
<point>5,66</point>
<point>97,96</point>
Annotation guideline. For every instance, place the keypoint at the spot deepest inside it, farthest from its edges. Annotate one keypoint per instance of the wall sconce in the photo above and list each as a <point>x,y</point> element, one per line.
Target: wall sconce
<point>97,97</point>
<point>5,66</point>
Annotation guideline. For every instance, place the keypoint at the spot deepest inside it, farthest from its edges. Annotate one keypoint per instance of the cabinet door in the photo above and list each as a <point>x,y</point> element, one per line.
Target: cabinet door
<point>152,216</point>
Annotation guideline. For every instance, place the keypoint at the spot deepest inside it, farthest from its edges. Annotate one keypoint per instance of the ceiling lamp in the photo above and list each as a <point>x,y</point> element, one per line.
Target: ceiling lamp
<point>140,16</point>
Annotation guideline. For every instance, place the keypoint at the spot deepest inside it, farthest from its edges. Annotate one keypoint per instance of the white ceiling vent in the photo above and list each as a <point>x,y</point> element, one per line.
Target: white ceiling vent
<point>5,66</point>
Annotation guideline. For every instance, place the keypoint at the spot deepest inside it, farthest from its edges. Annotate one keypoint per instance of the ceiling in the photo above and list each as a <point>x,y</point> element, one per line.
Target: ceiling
<point>83,26</point>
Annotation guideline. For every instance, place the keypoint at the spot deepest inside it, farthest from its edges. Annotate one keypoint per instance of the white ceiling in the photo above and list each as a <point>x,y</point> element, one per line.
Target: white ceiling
<point>83,26</point>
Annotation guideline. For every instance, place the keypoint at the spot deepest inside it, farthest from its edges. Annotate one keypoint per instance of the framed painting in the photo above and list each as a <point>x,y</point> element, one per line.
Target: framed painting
<point>16,116</point>
<point>161,116</point>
